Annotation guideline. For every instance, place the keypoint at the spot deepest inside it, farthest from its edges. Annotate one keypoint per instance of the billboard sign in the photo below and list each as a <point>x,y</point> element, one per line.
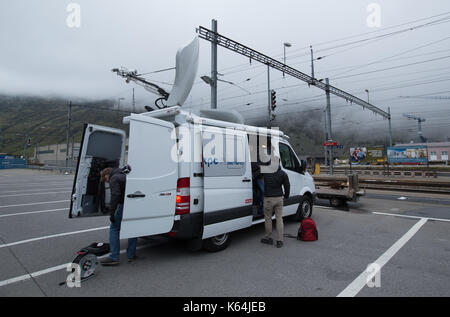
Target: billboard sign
<point>408,154</point>
<point>363,155</point>
<point>8,161</point>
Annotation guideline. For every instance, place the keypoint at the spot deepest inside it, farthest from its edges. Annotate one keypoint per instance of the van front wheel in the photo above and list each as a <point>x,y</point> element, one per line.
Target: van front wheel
<point>304,208</point>
<point>217,243</point>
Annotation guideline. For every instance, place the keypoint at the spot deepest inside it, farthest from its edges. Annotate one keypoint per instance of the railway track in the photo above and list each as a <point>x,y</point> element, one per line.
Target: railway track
<point>416,185</point>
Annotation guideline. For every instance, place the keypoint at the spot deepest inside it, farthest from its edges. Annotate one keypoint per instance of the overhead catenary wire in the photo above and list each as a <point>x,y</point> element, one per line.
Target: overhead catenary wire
<point>390,87</point>
<point>365,41</point>
<point>394,67</point>
<point>305,86</point>
<point>369,72</point>
<point>395,55</point>
<point>408,83</point>
<point>290,56</point>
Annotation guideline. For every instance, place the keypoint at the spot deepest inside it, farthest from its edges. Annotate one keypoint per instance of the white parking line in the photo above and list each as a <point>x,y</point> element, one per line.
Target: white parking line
<point>31,190</point>
<point>55,268</point>
<point>40,203</point>
<point>32,212</point>
<point>44,182</point>
<point>411,217</point>
<point>35,274</point>
<point>357,285</point>
<point>31,194</point>
<point>51,236</point>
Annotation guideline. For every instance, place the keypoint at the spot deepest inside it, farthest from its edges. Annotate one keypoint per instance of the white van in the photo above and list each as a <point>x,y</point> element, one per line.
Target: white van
<point>181,183</point>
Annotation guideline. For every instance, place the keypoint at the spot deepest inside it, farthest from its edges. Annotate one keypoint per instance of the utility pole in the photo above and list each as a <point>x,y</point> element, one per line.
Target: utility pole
<point>326,137</point>
<point>268,97</point>
<point>73,144</point>
<point>25,146</point>
<point>284,51</point>
<point>327,92</point>
<point>134,103</point>
<point>36,152</point>
<point>390,126</point>
<point>419,122</point>
<point>312,63</point>
<point>214,66</point>
<point>69,118</point>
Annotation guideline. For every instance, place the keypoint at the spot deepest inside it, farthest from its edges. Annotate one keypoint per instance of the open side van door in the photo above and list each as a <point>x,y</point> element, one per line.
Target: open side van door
<point>150,192</point>
<point>101,147</point>
<point>228,194</point>
<point>292,166</point>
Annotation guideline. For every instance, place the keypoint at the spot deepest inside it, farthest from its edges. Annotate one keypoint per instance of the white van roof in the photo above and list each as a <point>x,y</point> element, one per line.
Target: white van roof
<point>193,118</point>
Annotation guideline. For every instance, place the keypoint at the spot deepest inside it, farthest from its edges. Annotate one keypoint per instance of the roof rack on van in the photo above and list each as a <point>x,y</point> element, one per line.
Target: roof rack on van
<point>223,124</point>
<point>175,110</point>
<point>165,112</point>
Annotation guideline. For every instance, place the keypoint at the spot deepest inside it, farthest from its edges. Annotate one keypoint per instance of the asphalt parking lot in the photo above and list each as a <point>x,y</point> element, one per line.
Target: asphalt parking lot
<point>406,235</point>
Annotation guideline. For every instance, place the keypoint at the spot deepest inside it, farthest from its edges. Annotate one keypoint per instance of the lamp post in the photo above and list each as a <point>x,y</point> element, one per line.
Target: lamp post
<point>209,81</point>
<point>284,55</point>
<point>118,105</point>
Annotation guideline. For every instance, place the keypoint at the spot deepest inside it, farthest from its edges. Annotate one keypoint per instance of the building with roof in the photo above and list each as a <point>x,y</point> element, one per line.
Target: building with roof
<point>437,151</point>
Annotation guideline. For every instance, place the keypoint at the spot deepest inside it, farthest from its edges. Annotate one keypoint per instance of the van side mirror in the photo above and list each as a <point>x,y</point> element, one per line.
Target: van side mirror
<point>302,166</point>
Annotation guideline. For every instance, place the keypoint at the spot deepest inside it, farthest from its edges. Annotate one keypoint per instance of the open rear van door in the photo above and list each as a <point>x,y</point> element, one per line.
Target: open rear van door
<point>150,193</point>
<point>101,147</point>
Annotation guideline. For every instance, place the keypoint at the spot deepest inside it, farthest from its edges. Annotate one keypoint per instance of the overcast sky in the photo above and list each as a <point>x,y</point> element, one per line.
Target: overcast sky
<point>41,54</point>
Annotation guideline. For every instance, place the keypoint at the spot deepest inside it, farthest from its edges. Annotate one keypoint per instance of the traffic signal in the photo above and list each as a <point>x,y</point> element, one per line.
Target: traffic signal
<point>29,142</point>
<point>273,99</point>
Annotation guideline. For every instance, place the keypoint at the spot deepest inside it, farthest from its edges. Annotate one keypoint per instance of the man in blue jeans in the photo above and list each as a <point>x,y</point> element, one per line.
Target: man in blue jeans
<point>117,181</point>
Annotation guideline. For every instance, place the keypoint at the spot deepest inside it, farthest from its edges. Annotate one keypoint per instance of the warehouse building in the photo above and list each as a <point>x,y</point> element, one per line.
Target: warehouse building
<point>55,154</point>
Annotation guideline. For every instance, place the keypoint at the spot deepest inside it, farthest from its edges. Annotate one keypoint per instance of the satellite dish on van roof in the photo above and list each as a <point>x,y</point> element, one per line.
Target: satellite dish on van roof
<point>186,70</point>
<point>228,116</point>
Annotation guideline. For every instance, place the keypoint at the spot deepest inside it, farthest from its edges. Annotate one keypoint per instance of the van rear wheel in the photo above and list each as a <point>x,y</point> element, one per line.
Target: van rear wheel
<point>217,243</point>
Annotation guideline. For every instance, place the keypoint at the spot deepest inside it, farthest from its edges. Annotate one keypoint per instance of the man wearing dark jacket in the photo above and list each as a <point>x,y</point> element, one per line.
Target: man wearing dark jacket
<point>258,182</point>
<point>273,203</point>
<point>117,180</point>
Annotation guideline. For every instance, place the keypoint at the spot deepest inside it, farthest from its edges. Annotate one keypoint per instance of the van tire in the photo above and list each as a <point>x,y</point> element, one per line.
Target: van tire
<point>305,208</point>
<point>217,243</point>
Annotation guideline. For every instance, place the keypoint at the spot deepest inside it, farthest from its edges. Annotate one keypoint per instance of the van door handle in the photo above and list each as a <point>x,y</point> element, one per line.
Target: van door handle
<point>136,195</point>
<point>246,180</point>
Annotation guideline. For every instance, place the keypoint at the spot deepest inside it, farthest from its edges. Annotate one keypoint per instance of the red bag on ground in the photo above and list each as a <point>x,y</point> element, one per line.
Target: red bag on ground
<point>308,230</point>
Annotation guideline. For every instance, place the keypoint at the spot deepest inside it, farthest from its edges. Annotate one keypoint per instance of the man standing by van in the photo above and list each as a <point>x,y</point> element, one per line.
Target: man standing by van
<point>273,203</point>
<point>117,181</point>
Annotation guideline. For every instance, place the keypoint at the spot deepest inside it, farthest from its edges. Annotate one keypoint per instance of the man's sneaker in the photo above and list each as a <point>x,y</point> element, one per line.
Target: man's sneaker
<point>279,244</point>
<point>267,241</point>
<point>133,258</point>
<point>109,262</point>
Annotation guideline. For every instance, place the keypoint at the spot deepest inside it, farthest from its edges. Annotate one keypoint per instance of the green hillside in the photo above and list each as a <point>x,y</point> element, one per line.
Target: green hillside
<point>45,120</point>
